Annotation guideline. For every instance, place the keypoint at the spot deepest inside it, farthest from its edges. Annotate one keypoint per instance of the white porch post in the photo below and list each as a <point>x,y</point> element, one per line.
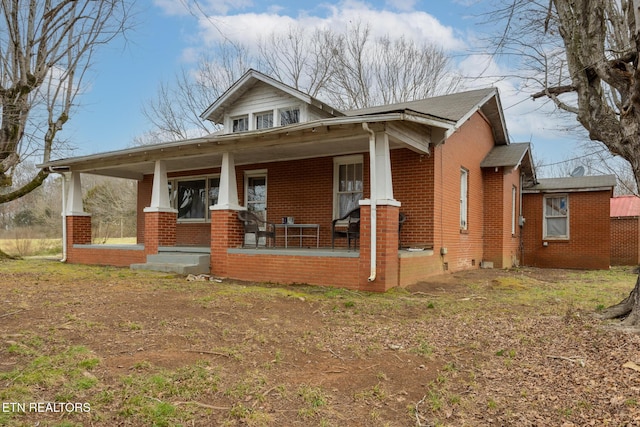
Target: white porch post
<point>160,191</point>
<point>383,191</point>
<point>74,197</point>
<point>228,194</point>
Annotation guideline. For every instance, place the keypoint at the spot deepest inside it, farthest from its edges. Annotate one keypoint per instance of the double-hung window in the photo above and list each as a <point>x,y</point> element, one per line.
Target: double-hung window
<point>464,198</point>
<point>348,184</point>
<point>264,120</point>
<point>289,116</point>
<point>240,124</point>
<point>556,217</point>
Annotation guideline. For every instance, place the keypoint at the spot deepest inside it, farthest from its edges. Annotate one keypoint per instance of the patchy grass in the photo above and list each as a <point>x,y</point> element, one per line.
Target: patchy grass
<point>473,348</point>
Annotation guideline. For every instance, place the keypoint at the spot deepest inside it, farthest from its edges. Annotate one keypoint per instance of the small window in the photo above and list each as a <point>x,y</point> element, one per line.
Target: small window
<point>240,124</point>
<point>464,198</point>
<point>289,116</point>
<point>264,120</point>
<point>556,217</point>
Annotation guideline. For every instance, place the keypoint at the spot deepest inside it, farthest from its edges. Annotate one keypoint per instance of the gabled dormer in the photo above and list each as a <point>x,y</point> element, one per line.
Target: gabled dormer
<point>257,102</point>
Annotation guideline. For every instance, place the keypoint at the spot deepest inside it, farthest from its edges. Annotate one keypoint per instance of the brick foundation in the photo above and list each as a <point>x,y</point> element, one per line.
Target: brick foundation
<point>226,232</point>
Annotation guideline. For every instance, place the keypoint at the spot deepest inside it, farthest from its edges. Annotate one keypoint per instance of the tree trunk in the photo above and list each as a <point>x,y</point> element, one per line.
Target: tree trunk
<point>628,309</point>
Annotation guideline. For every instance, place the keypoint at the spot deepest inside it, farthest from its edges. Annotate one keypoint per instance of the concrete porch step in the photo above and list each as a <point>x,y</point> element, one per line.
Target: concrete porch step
<point>176,262</point>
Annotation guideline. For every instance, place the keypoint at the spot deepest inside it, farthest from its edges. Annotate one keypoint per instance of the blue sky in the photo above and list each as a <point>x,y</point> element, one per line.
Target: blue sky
<point>125,76</point>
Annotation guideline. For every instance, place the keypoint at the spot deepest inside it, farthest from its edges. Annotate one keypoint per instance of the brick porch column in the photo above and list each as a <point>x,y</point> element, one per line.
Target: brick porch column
<point>78,232</point>
<point>78,222</point>
<point>387,263</point>
<point>226,232</point>
<point>160,218</point>
<point>159,229</point>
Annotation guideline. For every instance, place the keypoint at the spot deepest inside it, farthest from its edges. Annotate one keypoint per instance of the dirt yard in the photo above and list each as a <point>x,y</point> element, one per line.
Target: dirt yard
<point>93,346</point>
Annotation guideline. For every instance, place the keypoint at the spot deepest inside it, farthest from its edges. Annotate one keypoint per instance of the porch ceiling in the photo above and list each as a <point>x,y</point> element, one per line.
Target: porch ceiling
<point>308,140</point>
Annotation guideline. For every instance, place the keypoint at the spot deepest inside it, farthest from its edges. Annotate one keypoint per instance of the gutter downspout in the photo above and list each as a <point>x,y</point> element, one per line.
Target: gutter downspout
<point>373,195</point>
<point>64,212</point>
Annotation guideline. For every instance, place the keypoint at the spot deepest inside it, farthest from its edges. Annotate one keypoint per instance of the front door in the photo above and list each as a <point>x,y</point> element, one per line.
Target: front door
<point>255,198</point>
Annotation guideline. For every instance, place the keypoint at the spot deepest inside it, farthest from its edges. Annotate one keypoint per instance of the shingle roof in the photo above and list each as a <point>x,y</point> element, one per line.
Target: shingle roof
<point>573,183</point>
<point>622,206</point>
<point>505,155</point>
<point>450,107</point>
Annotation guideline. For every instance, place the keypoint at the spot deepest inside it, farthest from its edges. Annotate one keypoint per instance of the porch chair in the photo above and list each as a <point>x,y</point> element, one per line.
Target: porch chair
<point>252,223</point>
<point>349,230</point>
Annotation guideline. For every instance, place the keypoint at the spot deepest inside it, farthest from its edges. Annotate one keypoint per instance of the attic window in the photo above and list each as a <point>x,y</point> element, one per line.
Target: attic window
<point>240,124</point>
<point>264,120</point>
<point>289,116</point>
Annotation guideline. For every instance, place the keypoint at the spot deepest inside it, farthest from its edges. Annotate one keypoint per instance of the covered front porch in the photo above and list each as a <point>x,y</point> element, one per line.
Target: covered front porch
<point>300,168</point>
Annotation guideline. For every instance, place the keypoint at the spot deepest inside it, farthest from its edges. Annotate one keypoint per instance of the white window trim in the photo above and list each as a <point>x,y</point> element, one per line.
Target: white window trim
<point>343,160</point>
<point>464,199</point>
<point>174,201</point>
<point>254,118</point>
<point>544,216</point>
<point>240,116</point>
<point>256,173</point>
<point>278,116</point>
<point>514,203</point>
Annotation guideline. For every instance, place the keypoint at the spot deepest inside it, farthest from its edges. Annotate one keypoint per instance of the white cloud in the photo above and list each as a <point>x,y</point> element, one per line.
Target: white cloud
<point>404,5</point>
<point>249,27</point>
<point>171,7</point>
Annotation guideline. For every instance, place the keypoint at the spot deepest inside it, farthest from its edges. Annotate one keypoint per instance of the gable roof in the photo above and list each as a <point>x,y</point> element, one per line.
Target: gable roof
<point>456,107</point>
<point>513,156</point>
<point>506,155</point>
<point>572,184</point>
<point>624,206</point>
<point>215,112</point>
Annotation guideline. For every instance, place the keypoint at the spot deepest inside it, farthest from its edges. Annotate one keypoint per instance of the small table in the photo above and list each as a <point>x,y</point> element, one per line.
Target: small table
<point>301,228</point>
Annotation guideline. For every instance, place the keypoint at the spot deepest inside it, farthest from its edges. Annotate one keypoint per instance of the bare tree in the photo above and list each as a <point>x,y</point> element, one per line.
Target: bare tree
<point>175,111</point>
<point>583,55</point>
<point>46,49</point>
<point>112,203</point>
<point>348,70</point>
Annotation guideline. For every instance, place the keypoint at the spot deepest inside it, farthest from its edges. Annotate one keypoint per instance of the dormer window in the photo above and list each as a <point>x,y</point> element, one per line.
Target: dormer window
<point>264,120</point>
<point>289,116</point>
<point>240,124</point>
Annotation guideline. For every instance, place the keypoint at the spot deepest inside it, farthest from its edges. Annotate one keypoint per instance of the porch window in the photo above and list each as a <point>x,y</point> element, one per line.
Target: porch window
<point>240,124</point>
<point>289,116</point>
<point>264,120</point>
<point>192,197</point>
<point>464,198</point>
<point>348,184</point>
<point>556,217</point>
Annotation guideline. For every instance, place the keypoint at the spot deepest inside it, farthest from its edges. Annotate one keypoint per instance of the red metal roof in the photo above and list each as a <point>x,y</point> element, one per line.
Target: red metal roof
<point>625,206</point>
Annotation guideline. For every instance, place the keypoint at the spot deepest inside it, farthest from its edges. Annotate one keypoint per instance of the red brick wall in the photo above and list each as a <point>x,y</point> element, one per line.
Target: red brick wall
<point>287,269</point>
<point>500,245</point>
<point>589,243</point>
<point>95,255</point>
<point>625,241</point>
<point>467,147</point>
<point>413,186</point>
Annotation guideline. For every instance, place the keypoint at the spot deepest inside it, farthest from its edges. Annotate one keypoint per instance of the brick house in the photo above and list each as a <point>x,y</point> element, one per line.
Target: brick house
<point>444,163</point>
<point>625,230</point>
<point>565,226</point>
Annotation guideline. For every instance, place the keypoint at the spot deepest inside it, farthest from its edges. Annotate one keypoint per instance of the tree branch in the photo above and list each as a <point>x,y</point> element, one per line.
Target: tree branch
<point>559,90</point>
